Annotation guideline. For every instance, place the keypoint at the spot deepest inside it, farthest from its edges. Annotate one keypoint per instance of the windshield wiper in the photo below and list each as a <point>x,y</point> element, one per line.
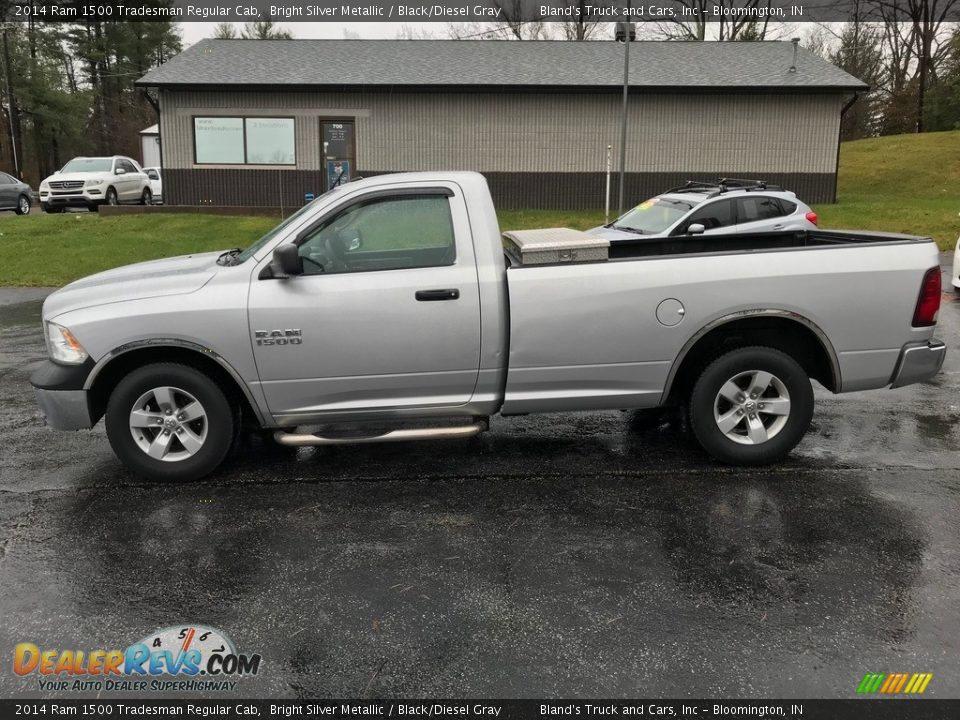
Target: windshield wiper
<point>626,228</point>
<point>227,257</point>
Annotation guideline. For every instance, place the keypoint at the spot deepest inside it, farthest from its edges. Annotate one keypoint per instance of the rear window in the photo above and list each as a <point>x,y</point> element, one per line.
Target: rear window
<point>653,216</point>
<point>757,207</point>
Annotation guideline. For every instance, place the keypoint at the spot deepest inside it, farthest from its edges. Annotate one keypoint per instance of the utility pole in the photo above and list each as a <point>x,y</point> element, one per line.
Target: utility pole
<point>11,103</point>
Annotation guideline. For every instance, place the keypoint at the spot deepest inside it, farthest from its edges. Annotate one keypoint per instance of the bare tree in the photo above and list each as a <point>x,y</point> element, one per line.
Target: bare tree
<point>224,31</point>
<point>734,20</point>
<point>412,32</point>
<point>264,30</point>
<point>916,44</point>
<point>579,26</point>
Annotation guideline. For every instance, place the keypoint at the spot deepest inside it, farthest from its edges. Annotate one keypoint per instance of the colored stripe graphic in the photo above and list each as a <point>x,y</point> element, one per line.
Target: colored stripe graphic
<point>894,683</point>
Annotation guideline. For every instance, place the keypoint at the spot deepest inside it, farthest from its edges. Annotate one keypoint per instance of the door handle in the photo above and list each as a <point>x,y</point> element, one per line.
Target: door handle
<point>431,295</point>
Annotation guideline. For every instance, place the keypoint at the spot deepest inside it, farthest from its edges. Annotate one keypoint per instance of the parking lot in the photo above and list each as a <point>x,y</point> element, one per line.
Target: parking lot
<point>575,555</point>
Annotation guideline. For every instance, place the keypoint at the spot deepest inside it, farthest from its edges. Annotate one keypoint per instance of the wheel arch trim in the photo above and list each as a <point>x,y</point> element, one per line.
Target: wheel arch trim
<point>180,344</point>
<point>818,332</point>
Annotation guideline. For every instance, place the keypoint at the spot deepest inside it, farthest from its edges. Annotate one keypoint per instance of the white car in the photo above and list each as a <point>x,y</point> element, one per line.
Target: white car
<point>956,267</point>
<point>726,207</point>
<point>94,181</point>
<point>156,183</point>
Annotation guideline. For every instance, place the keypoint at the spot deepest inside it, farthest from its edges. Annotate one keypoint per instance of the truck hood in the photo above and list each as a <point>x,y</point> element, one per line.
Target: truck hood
<point>155,278</point>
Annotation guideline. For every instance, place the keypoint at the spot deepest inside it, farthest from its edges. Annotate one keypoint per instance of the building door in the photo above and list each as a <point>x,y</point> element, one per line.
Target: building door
<point>339,151</point>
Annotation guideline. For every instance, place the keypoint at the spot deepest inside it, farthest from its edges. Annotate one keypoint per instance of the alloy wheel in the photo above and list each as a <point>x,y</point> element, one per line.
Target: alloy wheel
<point>752,407</point>
<point>168,424</point>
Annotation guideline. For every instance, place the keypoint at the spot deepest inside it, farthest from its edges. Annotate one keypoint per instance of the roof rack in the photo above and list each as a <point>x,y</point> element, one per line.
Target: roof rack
<point>723,185</point>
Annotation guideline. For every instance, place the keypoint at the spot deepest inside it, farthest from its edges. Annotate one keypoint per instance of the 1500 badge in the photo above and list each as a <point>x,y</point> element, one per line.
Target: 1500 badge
<point>278,337</point>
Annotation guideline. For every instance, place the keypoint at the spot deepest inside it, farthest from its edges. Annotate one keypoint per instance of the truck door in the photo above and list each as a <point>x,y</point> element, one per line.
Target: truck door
<point>385,317</point>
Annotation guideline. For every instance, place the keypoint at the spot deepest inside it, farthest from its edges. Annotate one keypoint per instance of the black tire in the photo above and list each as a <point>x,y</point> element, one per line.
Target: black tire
<point>51,209</point>
<point>23,205</point>
<point>739,446</point>
<point>147,197</point>
<point>219,421</point>
<point>111,197</point>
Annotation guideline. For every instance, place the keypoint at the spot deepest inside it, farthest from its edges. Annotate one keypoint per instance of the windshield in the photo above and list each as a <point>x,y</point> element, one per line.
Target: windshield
<point>88,165</point>
<point>253,249</point>
<point>653,216</point>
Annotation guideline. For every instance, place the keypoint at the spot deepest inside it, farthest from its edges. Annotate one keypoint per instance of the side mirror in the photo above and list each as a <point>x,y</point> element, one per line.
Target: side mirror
<point>695,229</point>
<point>119,171</point>
<point>287,262</point>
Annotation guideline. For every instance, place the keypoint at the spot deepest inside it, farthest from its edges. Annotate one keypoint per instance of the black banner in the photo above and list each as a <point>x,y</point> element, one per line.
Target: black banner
<point>406,11</point>
<point>865,709</point>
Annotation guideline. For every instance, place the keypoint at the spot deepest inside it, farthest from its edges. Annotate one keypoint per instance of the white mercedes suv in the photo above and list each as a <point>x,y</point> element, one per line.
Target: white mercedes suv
<point>94,181</point>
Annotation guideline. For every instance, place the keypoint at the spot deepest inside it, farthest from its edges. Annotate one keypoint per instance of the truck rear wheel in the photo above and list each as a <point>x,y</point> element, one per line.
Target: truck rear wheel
<point>170,422</point>
<point>751,406</point>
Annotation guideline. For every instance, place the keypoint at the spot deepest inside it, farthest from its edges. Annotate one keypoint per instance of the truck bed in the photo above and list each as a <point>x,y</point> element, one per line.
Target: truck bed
<point>642,247</point>
<point>858,289</point>
<point>758,242</point>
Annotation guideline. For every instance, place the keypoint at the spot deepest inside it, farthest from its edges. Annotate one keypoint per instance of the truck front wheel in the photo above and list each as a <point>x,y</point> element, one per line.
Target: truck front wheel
<point>170,422</point>
<point>751,406</point>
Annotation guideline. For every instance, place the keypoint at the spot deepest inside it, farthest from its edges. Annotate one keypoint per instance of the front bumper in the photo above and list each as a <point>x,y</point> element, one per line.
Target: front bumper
<point>64,409</point>
<point>72,198</point>
<point>60,394</point>
<point>918,362</point>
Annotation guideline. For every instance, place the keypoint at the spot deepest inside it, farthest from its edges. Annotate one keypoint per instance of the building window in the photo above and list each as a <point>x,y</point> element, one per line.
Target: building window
<point>244,141</point>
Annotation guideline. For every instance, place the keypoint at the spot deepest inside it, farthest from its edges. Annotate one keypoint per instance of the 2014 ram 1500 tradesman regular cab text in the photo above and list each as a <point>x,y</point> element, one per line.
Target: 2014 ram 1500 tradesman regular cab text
<point>394,301</point>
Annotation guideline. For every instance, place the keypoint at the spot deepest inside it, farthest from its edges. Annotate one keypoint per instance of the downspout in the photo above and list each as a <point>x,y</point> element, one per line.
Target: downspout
<point>836,166</point>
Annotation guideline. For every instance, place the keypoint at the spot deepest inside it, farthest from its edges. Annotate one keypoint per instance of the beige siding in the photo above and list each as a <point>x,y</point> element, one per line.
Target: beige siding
<point>517,132</point>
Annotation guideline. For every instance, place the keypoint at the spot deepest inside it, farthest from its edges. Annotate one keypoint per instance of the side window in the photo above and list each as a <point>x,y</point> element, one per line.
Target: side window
<point>712,215</point>
<point>386,233</point>
<point>757,207</point>
<point>787,207</point>
<point>5,179</point>
<point>153,174</point>
<point>128,166</point>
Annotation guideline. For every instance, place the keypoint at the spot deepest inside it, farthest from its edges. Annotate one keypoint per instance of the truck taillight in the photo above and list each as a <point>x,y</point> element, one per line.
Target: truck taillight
<point>812,217</point>
<point>928,304</point>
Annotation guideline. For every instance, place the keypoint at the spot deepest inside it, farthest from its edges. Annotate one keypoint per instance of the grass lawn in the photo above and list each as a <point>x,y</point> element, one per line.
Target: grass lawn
<point>903,183</point>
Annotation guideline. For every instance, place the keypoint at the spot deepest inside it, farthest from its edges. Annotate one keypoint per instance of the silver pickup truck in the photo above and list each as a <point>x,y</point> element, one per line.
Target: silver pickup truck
<point>393,309</point>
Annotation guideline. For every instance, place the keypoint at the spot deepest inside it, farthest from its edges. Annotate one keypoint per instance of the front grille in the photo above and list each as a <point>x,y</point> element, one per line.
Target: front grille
<point>66,184</point>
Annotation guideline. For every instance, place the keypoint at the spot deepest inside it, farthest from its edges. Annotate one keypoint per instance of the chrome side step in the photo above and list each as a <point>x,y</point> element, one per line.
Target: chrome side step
<point>435,433</point>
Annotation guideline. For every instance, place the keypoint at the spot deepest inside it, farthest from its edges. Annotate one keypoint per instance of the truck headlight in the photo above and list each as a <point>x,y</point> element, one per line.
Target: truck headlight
<point>63,346</point>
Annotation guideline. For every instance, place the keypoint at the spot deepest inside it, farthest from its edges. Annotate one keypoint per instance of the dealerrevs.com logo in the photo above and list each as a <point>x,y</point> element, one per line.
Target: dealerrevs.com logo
<point>187,658</point>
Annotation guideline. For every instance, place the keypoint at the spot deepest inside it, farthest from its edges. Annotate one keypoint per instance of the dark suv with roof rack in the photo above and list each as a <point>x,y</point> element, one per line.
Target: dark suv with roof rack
<point>728,206</point>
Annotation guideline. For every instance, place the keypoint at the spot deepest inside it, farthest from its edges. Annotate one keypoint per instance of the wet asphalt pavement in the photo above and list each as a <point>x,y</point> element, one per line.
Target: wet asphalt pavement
<point>578,555</point>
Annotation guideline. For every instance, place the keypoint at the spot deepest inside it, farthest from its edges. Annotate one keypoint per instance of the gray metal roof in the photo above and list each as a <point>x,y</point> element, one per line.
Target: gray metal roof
<point>435,63</point>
